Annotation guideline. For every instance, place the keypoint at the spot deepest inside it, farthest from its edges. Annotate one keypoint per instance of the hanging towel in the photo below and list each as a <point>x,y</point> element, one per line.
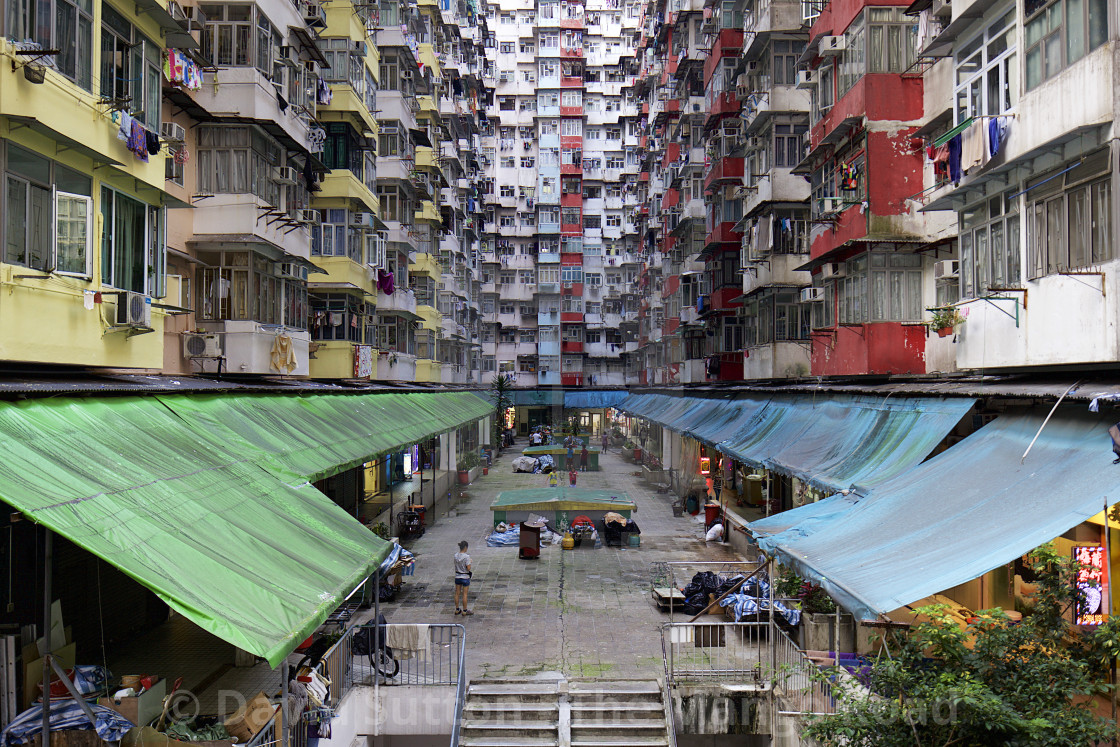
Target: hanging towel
<point>125,131</point>
<point>138,141</point>
<point>955,159</point>
<point>408,641</point>
<point>152,143</point>
<point>283,354</point>
<point>997,131</point>
<point>973,154</point>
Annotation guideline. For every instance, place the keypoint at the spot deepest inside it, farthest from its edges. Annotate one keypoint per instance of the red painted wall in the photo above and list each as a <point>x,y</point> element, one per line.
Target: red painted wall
<point>837,15</point>
<point>884,347</point>
<point>894,171</point>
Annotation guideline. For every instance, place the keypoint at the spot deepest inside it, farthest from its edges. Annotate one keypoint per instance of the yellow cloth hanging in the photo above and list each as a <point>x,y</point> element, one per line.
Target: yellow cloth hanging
<point>283,354</point>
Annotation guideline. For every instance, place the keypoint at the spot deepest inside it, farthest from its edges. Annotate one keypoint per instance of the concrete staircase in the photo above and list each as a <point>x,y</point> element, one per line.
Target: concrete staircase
<point>511,713</point>
<point>563,713</point>
<point>617,713</point>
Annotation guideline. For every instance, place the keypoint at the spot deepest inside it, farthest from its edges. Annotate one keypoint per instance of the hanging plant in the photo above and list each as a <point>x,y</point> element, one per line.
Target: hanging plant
<point>945,318</point>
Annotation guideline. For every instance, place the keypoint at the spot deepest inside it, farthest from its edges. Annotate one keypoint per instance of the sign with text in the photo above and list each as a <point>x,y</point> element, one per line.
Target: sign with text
<point>1092,583</point>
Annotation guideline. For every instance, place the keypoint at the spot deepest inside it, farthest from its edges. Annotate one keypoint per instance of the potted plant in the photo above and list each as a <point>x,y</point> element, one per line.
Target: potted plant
<point>467,462</point>
<point>945,318</point>
<point>822,621</point>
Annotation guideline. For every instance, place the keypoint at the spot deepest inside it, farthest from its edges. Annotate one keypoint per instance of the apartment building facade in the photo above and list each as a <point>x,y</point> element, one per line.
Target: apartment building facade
<point>243,188</point>
<point>561,149</point>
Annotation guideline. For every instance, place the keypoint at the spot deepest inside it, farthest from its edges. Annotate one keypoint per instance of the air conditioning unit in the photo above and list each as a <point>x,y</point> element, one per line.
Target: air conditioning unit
<point>288,56</point>
<point>196,19</point>
<point>830,205</point>
<point>177,12</point>
<point>947,268</point>
<point>806,78</point>
<point>310,217</point>
<point>812,295</point>
<point>832,270</point>
<point>202,346</point>
<point>172,132</point>
<point>361,220</point>
<point>833,46</point>
<point>361,48</point>
<point>133,309</point>
<point>314,13</point>
<point>285,175</point>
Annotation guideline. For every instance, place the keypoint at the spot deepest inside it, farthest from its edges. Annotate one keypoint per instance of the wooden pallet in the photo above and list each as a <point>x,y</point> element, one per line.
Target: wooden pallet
<point>665,596</point>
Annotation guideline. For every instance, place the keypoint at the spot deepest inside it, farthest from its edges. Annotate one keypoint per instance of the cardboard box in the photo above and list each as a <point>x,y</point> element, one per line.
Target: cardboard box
<point>146,736</point>
<point>33,668</point>
<point>251,718</point>
<point>141,709</point>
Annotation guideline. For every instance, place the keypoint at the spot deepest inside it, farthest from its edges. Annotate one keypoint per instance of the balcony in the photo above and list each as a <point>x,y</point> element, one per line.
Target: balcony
<point>724,170</point>
<point>571,346</point>
<point>247,347</point>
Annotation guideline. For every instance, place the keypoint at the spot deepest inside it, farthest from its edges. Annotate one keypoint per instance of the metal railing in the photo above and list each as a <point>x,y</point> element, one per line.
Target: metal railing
<point>441,664</point>
<point>727,652</point>
<point>337,666</point>
<point>796,682</point>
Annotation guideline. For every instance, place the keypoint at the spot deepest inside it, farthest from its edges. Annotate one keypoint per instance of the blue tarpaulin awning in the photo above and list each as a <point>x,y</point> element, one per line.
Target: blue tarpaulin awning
<point>830,443</point>
<point>592,399</point>
<point>970,509</point>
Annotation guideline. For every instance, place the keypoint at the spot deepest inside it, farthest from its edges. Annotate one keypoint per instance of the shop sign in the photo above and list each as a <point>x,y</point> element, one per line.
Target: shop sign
<point>705,465</point>
<point>1092,582</point>
<point>363,361</point>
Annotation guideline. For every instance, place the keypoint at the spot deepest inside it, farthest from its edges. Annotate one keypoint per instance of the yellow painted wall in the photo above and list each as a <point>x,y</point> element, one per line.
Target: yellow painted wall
<point>30,305</point>
<point>340,187</point>
<point>333,360</point>
<point>425,264</point>
<point>344,271</point>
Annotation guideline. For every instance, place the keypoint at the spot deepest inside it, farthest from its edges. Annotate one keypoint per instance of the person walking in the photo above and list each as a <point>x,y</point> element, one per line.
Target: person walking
<point>606,441</point>
<point>571,457</point>
<point>572,477</point>
<point>583,459</point>
<point>462,579</point>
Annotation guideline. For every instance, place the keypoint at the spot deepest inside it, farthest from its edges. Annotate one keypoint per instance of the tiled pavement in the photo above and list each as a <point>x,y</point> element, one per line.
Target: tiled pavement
<point>584,612</point>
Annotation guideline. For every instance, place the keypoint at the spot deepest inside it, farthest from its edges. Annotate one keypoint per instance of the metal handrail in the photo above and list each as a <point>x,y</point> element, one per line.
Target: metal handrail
<point>461,688</point>
<point>668,689</point>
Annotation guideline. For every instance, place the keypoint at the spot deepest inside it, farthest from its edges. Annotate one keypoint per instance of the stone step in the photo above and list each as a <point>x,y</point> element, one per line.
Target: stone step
<point>652,707</point>
<point>544,730</point>
<point>491,687</point>
<point>506,740</point>
<point>515,709</point>
<point>643,724</point>
<point>622,740</point>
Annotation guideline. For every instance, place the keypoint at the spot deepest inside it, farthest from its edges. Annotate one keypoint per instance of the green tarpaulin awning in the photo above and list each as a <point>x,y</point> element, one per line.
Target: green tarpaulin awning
<point>561,499</point>
<point>316,436</point>
<point>206,500</point>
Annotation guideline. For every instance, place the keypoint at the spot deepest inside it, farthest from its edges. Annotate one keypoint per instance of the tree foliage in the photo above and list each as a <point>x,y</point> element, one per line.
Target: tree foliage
<point>501,395</point>
<point>994,683</point>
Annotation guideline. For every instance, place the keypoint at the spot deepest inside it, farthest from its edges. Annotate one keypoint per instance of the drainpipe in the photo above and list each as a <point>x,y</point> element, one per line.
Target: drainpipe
<point>48,567</point>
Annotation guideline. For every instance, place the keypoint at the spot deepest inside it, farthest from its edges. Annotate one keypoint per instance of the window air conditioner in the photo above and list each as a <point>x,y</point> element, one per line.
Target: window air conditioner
<point>806,78</point>
<point>830,205</point>
<point>360,220</point>
<point>196,18</point>
<point>285,175</point>
<point>812,295</point>
<point>289,56</point>
<point>947,268</point>
<point>832,270</point>
<point>201,346</point>
<point>833,46</point>
<point>172,132</point>
<point>133,309</point>
<point>314,13</point>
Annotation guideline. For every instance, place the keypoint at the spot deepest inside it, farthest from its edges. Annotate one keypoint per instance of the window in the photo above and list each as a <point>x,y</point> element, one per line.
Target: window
<point>549,40</point>
<point>527,277</point>
<point>548,215</point>
<point>571,274</point>
<point>528,335</point>
<point>336,316</point>
<point>527,162</point>
<point>592,222</point>
<point>64,25</point>
<point>788,140</point>
<point>614,220</point>
<point>784,63</point>
<point>1059,33</point>
<point>133,255</point>
<point>594,133</point>
<point>1068,219</point>
<point>571,98</point>
<point>237,160</point>
<point>334,237</point>
<point>130,67</point>
<point>506,47</point>
<point>238,35</point>
<point>39,234</point>
<point>507,103</point>
<point>528,48</point>
<point>570,216</point>
<point>506,190</point>
<point>987,72</point>
<point>508,162</point>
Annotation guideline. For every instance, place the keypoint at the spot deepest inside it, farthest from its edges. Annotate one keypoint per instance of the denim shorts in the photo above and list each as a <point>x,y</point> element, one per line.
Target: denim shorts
<point>462,582</point>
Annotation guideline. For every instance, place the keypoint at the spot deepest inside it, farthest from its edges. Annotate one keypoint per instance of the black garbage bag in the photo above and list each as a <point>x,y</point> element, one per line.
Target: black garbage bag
<point>728,584</point>
<point>704,582</point>
<point>694,604</point>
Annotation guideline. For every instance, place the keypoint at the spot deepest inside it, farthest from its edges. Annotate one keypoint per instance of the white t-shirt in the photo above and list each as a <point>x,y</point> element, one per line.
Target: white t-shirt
<point>462,565</point>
